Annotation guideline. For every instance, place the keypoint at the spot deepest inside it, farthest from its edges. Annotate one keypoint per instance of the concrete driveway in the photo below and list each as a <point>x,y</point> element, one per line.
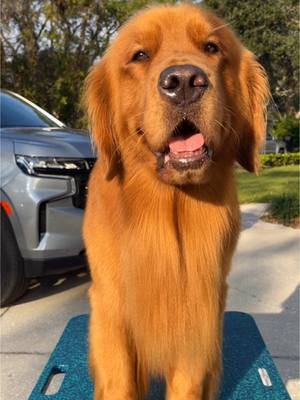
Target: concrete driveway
<point>264,282</point>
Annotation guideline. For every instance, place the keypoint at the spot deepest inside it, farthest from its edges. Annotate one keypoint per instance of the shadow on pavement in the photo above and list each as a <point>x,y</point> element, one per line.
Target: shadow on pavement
<point>50,285</point>
<point>248,220</point>
<point>281,331</point>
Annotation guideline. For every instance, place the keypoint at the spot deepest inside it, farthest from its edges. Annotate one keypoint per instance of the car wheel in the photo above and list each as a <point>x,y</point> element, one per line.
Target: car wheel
<point>13,281</point>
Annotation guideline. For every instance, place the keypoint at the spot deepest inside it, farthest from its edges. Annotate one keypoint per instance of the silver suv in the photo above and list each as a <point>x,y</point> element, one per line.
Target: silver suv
<point>273,145</point>
<point>44,171</point>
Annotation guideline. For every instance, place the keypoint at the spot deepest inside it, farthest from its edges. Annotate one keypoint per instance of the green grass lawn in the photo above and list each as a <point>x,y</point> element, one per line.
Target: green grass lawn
<point>270,183</point>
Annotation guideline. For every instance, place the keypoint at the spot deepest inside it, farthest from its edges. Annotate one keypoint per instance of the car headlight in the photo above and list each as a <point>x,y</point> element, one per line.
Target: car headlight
<point>37,166</point>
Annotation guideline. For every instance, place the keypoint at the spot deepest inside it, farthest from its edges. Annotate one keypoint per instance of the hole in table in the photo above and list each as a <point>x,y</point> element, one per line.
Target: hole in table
<point>54,381</point>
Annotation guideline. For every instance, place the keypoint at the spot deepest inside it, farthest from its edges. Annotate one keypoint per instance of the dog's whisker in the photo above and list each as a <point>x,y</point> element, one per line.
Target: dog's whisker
<point>220,27</point>
<point>146,110</point>
<point>129,149</point>
<point>226,125</point>
<point>242,110</point>
<point>131,134</point>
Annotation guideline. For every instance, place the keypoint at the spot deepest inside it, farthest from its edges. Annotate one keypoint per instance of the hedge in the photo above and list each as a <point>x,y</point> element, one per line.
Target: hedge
<point>277,160</point>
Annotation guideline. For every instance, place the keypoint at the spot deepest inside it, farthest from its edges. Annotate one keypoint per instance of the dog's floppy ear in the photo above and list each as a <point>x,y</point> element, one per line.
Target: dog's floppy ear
<point>255,88</point>
<point>97,101</point>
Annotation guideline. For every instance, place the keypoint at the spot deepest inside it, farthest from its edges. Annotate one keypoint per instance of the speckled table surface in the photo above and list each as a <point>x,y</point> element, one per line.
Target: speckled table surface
<point>249,372</point>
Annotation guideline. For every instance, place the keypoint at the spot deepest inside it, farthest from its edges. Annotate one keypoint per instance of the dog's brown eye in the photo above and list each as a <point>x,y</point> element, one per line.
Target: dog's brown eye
<point>139,56</point>
<point>211,48</point>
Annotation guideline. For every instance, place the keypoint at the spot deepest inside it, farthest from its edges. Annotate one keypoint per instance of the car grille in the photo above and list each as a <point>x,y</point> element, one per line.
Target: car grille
<point>81,180</point>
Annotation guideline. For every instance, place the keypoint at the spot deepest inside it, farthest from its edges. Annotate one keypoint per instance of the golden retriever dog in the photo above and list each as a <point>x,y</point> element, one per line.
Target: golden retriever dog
<point>173,104</point>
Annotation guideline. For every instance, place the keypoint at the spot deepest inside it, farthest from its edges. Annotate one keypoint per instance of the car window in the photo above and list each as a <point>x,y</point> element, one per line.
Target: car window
<point>17,113</point>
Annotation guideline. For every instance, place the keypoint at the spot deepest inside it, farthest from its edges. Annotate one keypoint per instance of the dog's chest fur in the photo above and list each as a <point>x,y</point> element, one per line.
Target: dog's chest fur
<point>175,256</point>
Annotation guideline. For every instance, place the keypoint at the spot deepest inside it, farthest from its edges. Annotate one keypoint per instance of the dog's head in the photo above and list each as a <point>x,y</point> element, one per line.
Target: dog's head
<point>177,93</point>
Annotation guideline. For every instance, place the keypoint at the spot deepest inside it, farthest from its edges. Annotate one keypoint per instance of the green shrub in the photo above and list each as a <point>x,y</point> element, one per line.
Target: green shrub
<point>284,208</point>
<point>277,160</point>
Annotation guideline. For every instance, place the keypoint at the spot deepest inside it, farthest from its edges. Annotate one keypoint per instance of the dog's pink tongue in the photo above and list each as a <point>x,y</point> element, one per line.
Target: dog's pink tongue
<point>180,144</point>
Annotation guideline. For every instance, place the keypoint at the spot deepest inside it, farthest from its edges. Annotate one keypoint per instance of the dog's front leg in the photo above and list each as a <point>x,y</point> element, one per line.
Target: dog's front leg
<point>193,382</point>
<point>112,365</point>
<point>186,382</point>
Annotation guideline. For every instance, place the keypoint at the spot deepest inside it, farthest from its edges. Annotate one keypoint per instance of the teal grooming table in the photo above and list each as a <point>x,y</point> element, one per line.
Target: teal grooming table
<point>249,372</point>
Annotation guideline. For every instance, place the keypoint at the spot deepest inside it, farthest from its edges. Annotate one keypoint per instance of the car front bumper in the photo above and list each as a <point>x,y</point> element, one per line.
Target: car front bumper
<point>47,215</point>
<point>53,266</point>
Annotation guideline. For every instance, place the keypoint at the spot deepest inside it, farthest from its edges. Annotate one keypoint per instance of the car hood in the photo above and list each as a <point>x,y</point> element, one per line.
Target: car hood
<point>50,142</point>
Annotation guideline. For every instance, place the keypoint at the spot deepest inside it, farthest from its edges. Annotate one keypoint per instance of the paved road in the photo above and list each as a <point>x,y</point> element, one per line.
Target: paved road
<point>264,282</point>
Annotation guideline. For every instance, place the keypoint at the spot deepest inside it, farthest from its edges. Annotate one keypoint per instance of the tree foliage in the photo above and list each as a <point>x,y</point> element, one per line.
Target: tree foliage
<point>271,30</point>
<point>47,47</point>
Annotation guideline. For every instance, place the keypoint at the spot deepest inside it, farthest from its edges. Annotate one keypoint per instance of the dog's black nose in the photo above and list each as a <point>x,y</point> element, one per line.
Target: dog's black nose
<point>182,84</point>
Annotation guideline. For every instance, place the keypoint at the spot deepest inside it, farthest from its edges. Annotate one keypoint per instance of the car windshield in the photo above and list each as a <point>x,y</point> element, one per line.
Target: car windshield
<point>16,112</point>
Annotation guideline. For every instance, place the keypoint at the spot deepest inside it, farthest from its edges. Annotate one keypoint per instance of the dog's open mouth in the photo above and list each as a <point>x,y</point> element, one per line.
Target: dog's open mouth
<point>186,148</point>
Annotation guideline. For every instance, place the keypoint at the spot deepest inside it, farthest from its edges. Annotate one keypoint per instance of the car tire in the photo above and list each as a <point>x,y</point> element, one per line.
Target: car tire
<point>13,281</point>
